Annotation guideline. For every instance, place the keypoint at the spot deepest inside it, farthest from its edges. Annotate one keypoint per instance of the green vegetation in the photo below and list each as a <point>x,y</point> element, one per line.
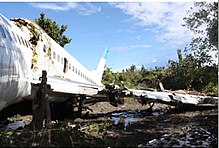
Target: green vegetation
<point>182,74</point>
<point>53,30</point>
<point>131,101</point>
<point>193,70</point>
<point>206,14</point>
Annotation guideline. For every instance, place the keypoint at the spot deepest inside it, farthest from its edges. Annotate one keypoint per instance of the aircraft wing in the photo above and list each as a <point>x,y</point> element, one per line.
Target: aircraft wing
<point>172,98</point>
<point>61,85</point>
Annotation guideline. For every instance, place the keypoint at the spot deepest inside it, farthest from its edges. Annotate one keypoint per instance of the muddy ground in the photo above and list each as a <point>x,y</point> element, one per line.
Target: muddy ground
<point>129,125</point>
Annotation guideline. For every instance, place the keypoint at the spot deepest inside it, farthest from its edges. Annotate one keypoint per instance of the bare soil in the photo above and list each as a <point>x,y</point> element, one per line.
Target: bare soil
<point>97,129</point>
<point>150,129</point>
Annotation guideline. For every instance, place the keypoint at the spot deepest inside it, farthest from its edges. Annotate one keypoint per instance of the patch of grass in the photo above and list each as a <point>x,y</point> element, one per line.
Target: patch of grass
<point>131,100</point>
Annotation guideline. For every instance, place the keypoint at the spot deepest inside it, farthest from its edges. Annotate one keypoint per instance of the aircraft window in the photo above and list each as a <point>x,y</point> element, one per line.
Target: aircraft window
<point>75,70</point>
<point>54,55</point>
<point>29,44</point>
<point>72,68</point>
<point>69,66</point>
<point>65,65</point>
<point>22,41</point>
<point>2,32</point>
<point>26,43</point>
<point>44,48</point>
<point>58,58</point>
<point>14,37</point>
<point>19,39</point>
<point>78,72</point>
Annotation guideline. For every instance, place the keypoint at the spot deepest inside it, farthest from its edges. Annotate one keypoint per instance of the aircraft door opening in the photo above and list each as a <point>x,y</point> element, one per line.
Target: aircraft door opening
<point>65,65</point>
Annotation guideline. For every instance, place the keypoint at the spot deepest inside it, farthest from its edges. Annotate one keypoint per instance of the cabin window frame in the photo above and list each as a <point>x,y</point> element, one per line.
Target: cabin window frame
<point>22,40</point>
<point>69,66</point>
<point>26,43</point>
<point>14,36</point>
<point>66,65</point>
<point>19,40</point>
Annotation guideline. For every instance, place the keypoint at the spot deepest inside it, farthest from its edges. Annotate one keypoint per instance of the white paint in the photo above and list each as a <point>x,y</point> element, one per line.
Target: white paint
<point>17,77</point>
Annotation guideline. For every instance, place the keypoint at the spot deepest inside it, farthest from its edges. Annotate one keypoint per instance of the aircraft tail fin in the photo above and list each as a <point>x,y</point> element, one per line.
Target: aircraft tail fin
<point>100,67</point>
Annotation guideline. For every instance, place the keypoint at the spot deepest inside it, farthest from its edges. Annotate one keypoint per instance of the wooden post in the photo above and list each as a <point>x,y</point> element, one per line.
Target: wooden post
<point>41,110</point>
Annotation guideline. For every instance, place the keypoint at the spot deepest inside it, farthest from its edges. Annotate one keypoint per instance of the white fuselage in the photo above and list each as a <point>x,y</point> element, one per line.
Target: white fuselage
<point>21,65</point>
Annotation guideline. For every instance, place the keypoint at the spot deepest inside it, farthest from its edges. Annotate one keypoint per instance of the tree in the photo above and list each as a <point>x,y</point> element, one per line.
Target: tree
<point>108,76</point>
<point>186,74</point>
<point>53,30</point>
<point>182,73</point>
<point>206,14</point>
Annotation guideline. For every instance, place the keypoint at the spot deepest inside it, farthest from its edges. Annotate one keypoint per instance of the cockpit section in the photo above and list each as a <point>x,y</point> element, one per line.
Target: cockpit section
<point>14,58</point>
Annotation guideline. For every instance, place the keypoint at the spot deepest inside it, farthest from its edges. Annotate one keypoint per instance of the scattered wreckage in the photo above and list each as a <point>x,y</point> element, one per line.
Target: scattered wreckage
<point>182,99</point>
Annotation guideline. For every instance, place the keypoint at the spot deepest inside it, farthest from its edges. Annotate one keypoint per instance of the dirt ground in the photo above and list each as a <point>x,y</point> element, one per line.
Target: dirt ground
<point>174,128</point>
<point>100,128</point>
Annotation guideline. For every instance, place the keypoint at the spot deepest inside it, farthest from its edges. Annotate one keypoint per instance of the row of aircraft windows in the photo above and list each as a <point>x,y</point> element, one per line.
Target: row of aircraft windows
<point>74,69</point>
<point>22,41</point>
<point>5,33</point>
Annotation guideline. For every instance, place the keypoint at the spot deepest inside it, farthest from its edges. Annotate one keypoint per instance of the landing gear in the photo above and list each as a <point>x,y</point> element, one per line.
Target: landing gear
<point>115,96</point>
<point>144,101</point>
<point>77,105</point>
<point>81,105</point>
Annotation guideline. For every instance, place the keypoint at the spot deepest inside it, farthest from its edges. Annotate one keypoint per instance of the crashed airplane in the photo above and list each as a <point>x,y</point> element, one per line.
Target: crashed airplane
<point>26,50</point>
<point>180,99</point>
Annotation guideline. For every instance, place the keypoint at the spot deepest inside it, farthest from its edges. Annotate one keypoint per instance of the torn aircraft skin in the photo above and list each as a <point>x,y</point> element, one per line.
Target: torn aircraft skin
<point>179,99</point>
<point>26,50</point>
